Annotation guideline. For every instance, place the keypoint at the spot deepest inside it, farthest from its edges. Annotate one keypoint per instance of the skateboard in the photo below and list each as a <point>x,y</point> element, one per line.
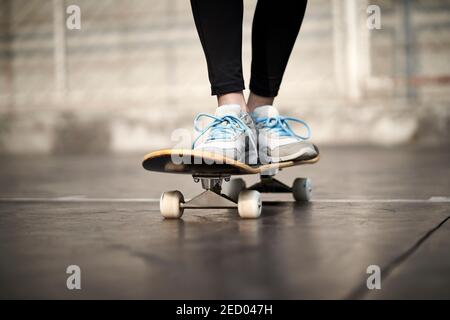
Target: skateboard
<point>212,170</point>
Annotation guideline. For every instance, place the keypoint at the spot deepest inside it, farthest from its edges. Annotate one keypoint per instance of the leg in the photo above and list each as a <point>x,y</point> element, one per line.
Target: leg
<point>275,29</point>
<point>232,132</point>
<point>219,25</point>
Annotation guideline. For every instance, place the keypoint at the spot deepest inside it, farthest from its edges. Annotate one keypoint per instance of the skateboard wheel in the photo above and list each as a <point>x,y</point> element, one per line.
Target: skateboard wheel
<point>249,204</point>
<point>302,189</point>
<point>234,187</point>
<point>169,204</point>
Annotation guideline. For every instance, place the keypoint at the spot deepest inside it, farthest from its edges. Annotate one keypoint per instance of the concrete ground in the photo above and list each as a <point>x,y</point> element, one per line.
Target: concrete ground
<point>384,207</point>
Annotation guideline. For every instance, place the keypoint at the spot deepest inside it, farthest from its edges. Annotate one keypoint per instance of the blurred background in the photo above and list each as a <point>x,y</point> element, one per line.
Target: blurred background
<point>135,71</point>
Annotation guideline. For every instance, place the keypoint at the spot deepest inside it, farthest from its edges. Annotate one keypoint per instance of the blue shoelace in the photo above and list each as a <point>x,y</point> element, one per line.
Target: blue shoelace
<point>280,126</point>
<point>221,127</point>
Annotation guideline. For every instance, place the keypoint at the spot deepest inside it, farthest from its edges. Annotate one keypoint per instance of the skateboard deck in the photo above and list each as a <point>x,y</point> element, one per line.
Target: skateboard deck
<point>203,163</point>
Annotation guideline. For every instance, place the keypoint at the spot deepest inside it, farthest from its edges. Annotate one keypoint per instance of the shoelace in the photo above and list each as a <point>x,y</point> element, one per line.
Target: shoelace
<point>280,125</point>
<point>221,127</point>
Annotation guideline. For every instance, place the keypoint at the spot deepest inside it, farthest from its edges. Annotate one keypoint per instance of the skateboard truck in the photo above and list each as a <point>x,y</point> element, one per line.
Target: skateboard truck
<point>248,202</point>
<point>214,184</point>
<point>301,188</point>
<point>270,184</point>
<point>212,197</point>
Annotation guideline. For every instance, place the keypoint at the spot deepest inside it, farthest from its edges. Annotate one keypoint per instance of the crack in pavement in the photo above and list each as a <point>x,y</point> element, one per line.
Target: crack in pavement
<point>360,291</point>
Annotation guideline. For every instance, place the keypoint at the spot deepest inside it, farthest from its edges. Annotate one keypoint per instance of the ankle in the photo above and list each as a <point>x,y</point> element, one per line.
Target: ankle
<point>232,98</point>
<point>255,101</point>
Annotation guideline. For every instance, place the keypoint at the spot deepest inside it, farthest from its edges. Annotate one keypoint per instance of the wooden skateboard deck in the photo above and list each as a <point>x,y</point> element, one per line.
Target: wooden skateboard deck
<point>203,163</point>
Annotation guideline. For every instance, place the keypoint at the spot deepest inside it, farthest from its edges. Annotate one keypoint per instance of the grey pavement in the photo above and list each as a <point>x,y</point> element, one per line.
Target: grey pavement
<point>371,206</point>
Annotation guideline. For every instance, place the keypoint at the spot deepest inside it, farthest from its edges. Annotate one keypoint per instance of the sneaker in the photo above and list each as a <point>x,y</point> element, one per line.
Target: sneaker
<point>231,133</point>
<point>276,140</point>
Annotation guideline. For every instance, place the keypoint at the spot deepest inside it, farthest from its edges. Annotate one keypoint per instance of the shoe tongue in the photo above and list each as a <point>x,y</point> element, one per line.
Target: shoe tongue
<point>228,109</point>
<point>265,112</point>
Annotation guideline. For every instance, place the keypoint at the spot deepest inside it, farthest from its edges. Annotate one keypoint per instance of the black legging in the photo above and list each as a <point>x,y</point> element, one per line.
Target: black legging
<point>276,24</point>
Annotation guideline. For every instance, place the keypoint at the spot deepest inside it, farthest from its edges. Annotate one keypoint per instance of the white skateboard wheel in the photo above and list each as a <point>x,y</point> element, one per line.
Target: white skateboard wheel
<point>170,204</point>
<point>249,204</point>
<point>302,189</point>
<point>234,187</point>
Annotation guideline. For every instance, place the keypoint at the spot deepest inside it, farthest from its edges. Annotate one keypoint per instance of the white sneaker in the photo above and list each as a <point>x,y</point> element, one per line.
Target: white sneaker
<point>231,134</point>
<point>276,140</point>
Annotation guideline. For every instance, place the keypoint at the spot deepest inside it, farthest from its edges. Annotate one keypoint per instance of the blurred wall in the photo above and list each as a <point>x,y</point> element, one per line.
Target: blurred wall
<point>135,71</point>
